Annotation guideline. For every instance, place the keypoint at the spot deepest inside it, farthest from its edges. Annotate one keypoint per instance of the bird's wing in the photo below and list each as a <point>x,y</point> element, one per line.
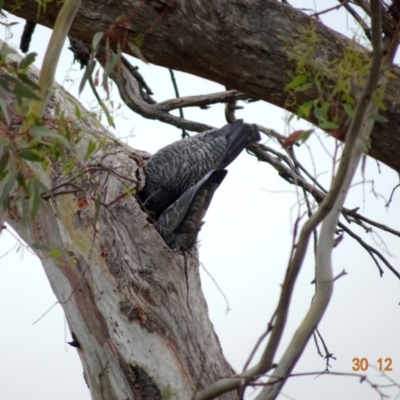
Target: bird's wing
<point>180,223</point>
<point>176,167</point>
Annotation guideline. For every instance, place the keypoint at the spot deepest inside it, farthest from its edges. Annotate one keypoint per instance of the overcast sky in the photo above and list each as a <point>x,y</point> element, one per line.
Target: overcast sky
<point>244,245</point>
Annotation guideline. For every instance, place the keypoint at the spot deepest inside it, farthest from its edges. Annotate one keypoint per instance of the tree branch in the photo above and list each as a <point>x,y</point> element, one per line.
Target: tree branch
<point>328,212</point>
<point>263,44</point>
<point>120,286</point>
<point>319,193</point>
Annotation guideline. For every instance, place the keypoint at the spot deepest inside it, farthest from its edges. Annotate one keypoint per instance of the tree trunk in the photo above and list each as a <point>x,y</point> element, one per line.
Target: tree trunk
<point>135,308</point>
<point>242,44</point>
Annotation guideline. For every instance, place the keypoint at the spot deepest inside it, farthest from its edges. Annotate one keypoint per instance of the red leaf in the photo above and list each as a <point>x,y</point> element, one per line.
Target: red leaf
<point>293,138</point>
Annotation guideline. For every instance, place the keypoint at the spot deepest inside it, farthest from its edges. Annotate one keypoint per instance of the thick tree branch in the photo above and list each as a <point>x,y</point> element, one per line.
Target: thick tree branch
<point>143,331</point>
<point>244,45</point>
<point>112,254</point>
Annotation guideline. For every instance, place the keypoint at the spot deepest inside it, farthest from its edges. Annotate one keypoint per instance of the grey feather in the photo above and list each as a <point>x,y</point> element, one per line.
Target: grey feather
<point>180,223</point>
<point>172,170</point>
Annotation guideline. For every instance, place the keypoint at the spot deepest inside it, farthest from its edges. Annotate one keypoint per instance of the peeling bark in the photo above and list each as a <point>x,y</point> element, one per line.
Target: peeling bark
<point>241,44</point>
<point>135,308</point>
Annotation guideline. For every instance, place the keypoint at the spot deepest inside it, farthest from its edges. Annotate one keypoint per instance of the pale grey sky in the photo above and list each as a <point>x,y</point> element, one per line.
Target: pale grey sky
<point>245,245</point>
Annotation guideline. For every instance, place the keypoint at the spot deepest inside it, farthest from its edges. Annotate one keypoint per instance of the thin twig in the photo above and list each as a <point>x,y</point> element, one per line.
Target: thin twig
<point>317,14</point>
<point>261,152</point>
<point>228,308</point>
<point>371,251</point>
<point>391,195</point>
<point>355,15</point>
<point>176,90</point>
<point>328,355</point>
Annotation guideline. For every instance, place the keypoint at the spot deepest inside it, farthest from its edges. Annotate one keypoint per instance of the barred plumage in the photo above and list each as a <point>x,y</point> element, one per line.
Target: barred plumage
<point>182,178</point>
<point>180,165</point>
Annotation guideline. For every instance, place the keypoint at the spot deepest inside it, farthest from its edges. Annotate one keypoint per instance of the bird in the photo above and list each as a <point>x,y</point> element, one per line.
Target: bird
<point>172,170</point>
<point>180,224</point>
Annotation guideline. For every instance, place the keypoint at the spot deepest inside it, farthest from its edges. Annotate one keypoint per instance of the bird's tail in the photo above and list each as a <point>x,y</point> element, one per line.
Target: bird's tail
<point>181,222</point>
<point>239,136</point>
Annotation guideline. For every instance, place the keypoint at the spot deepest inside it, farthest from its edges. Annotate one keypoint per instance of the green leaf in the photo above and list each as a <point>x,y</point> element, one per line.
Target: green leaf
<point>27,60</point>
<point>107,46</point>
<point>379,118</point>
<point>325,108</point>
<point>3,107</point>
<point>22,182</point>
<point>303,88</point>
<point>318,114</point>
<point>109,67</point>
<point>135,47</point>
<point>328,125</point>
<point>4,162</point>
<point>297,81</point>
<point>70,166</point>
<point>43,189</point>
<point>377,99</point>
<point>101,103</point>
<point>305,109</point>
<point>120,18</point>
<point>78,113</point>
<point>5,203</point>
<point>305,135</point>
<point>9,184</point>
<point>25,78</point>
<point>6,50</point>
<point>367,147</point>
<point>4,142</point>
<point>139,39</point>
<point>55,253</point>
<point>110,119</point>
<point>90,149</point>
<point>349,109</point>
<point>88,73</point>
<point>34,198</point>
<point>31,155</point>
<point>42,132</point>
<point>13,85</point>
<point>97,205</point>
<point>378,102</point>
<point>96,41</point>
<point>102,143</point>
